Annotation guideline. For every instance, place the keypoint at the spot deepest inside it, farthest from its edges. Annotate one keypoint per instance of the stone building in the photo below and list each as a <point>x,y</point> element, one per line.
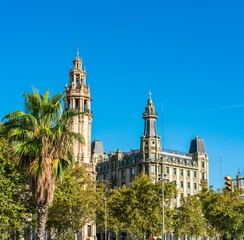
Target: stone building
<point>78,96</point>
<point>186,170</point>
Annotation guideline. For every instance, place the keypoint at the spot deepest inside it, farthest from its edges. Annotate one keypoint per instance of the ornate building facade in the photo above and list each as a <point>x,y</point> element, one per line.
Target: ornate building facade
<point>187,170</point>
<point>78,96</point>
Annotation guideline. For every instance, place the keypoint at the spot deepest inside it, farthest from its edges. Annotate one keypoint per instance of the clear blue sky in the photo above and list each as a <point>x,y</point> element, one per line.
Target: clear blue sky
<point>189,54</point>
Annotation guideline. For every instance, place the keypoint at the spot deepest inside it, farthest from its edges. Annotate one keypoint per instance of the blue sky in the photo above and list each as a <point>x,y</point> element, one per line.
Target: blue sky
<point>189,54</point>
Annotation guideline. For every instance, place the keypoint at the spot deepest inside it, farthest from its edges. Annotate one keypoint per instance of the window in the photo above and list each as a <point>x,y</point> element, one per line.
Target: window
<point>195,174</point>
<point>132,171</point>
<point>203,165</point>
<point>146,169</point>
<point>188,185</point>
<point>174,182</point>
<point>181,184</point>
<point>195,186</point>
<point>77,81</point>
<point>181,172</point>
<point>85,106</point>
<point>153,156</point>
<point>89,233</point>
<point>123,174</point>
<point>174,171</point>
<point>188,173</point>
<point>77,103</point>
<point>167,170</point>
<point>203,177</point>
<point>153,168</point>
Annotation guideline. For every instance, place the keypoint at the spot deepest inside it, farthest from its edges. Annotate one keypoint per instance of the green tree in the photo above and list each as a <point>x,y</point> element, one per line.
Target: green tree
<point>138,208</point>
<point>75,202</point>
<point>225,212</point>
<point>15,205</point>
<point>42,140</point>
<point>189,220</point>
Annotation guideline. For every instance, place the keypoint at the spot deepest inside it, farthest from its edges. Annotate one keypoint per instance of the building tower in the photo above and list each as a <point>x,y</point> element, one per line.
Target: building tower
<point>239,179</point>
<point>198,153</point>
<point>78,96</point>
<point>150,146</point>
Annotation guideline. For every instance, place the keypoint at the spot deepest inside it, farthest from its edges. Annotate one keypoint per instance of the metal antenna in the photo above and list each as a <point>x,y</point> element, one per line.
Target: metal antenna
<point>162,112</point>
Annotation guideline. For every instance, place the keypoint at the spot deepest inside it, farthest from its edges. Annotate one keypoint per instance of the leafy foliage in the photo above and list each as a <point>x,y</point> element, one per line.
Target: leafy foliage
<point>137,209</point>
<point>15,204</point>
<point>75,202</point>
<point>41,139</point>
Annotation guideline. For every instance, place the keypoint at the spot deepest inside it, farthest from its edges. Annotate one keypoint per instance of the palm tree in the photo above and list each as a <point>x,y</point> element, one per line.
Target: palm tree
<point>42,140</point>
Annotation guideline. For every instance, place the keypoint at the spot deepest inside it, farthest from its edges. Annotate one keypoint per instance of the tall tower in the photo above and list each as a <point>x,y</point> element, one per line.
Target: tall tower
<point>78,96</point>
<point>150,141</point>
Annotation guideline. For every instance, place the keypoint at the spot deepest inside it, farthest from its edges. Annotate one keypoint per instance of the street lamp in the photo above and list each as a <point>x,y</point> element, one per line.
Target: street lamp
<point>161,177</point>
<point>105,217</point>
<point>105,210</point>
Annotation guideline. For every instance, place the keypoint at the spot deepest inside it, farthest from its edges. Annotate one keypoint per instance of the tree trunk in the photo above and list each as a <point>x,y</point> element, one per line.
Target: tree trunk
<point>42,211</point>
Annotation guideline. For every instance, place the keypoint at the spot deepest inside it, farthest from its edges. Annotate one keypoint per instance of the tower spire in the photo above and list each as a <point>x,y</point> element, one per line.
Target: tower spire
<point>150,141</point>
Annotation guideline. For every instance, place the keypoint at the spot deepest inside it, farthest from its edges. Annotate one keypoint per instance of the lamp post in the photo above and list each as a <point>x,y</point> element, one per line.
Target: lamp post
<point>105,217</point>
<point>105,210</point>
<point>162,179</point>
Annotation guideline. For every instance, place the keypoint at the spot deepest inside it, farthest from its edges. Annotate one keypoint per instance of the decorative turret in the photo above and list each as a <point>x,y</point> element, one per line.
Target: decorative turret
<point>150,141</point>
<point>78,96</point>
<point>239,179</point>
<point>150,117</point>
<point>198,153</point>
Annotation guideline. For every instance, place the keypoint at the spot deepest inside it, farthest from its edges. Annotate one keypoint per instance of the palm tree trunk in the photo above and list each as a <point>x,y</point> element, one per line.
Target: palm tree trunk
<point>42,210</point>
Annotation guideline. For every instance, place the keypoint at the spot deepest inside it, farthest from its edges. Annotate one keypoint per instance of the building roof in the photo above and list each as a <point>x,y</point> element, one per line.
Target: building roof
<point>97,147</point>
<point>197,145</point>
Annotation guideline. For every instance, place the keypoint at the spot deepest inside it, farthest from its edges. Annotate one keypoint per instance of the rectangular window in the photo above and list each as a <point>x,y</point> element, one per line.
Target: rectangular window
<point>153,168</point>
<point>167,170</point>
<point>77,103</point>
<point>181,184</point>
<point>132,171</point>
<point>153,156</point>
<point>195,174</point>
<point>174,182</point>
<point>174,171</point>
<point>203,176</point>
<point>181,172</point>
<point>203,165</point>
<point>146,169</point>
<point>188,173</point>
<point>77,81</point>
<point>188,185</point>
<point>89,232</point>
<point>195,186</point>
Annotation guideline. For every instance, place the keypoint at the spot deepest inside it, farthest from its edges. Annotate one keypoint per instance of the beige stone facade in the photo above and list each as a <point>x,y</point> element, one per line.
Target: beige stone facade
<point>78,96</point>
<point>187,170</point>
